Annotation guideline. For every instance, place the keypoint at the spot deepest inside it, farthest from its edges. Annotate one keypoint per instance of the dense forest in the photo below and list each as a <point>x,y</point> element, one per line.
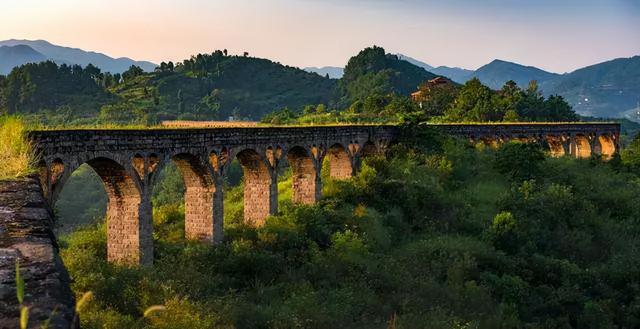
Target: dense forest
<point>211,87</point>
<point>471,102</point>
<point>440,234</point>
<point>218,86</point>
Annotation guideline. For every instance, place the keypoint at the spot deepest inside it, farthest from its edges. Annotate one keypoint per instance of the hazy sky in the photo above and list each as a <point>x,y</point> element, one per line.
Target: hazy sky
<point>557,35</point>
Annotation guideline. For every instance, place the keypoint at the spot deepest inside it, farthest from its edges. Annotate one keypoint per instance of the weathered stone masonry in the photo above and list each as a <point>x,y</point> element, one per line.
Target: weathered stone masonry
<point>580,140</point>
<point>127,162</point>
<point>26,236</point>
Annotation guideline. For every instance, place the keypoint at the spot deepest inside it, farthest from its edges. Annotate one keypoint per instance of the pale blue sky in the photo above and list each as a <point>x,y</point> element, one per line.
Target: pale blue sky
<point>555,35</point>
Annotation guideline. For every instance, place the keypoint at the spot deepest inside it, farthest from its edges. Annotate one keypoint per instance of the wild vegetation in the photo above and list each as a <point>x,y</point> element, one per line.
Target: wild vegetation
<point>16,151</point>
<point>438,235</point>
<point>472,102</point>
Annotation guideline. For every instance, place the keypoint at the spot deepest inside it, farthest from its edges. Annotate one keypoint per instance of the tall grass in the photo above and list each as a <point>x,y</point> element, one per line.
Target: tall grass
<point>16,151</point>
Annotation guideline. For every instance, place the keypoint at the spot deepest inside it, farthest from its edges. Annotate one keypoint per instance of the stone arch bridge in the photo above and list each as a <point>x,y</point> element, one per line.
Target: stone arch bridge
<point>127,162</point>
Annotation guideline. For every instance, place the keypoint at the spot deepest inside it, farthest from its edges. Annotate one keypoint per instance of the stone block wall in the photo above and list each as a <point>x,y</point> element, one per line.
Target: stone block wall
<point>305,171</point>
<point>26,236</point>
<point>340,163</point>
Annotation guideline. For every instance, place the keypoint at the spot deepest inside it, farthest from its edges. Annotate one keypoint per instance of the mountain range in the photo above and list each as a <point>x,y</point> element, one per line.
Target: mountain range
<point>17,52</point>
<point>608,89</point>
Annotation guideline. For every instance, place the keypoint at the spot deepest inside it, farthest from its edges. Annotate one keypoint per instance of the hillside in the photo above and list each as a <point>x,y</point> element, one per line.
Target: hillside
<point>496,73</point>
<point>45,87</point>
<point>12,56</point>
<point>373,71</point>
<point>70,56</point>
<point>240,87</point>
<point>606,89</point>
<point>209,86</point>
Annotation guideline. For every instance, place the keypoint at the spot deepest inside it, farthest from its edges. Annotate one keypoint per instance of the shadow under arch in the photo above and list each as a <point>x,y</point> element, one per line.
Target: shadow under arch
<point>369,149</point>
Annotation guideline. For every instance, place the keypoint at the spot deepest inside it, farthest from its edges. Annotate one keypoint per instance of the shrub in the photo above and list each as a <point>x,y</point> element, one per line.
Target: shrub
<point>16,152</point>
<point>519,161</point>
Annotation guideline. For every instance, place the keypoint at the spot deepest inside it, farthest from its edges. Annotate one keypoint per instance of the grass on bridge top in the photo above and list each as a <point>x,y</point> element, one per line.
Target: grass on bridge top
<point>16,152</point>
<point>253,124</point>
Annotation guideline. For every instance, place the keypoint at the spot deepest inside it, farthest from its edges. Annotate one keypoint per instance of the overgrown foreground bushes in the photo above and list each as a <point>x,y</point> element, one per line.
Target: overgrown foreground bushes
<point>16,153</point>
<point>442,236</point>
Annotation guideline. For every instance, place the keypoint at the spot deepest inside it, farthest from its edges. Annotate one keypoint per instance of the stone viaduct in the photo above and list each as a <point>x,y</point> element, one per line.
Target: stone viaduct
<point>128,161</point>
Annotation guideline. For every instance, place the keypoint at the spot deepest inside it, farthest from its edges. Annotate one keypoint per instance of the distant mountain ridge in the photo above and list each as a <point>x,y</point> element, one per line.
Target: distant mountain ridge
<point>496,73</point>
<point>456,74</point>
<point>415,62</point>
<point>67,55</point>
<point>12,56</point>
<point>608,89</point>
<point>334,72</point>
<point>611,88</point>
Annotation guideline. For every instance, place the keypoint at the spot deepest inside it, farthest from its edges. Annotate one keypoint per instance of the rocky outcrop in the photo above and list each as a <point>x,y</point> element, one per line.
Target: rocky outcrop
<point>26,236</point>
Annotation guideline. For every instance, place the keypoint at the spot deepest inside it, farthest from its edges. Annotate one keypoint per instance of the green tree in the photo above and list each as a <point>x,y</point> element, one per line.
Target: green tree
<point>435,100</point>
<point>557,109</point>
<point>211,103</point>
<point>309,109</point>
<point>474,103</point>
<point>132,72</point>
<point>520,161</point>
<point>123,113</point>
<point>507,99</point>
<point>511,116</point>
<point>631,154</point>
<point>531,105</point>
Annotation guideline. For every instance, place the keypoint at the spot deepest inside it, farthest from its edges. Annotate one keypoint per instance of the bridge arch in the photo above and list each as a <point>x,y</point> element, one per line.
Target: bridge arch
<point>581,146</point>
<point>368,149</point>
<point>260,185</point>
<point>306,182</point>
<point>128,211</point>
<point>555,145</point>
<point>219,159</point>
<point>607,146</point>
<point>129,224</point>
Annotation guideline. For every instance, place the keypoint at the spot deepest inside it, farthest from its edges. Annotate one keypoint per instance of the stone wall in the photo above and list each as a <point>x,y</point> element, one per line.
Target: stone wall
<point>26,236</point>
